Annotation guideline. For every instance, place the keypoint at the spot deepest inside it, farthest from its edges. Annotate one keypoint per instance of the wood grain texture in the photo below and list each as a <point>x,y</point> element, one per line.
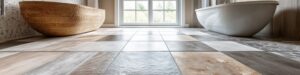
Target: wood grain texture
<point>286,21</point>
<point>63,65</point>
<point>96,65</point>
<point>61,19</point>
<point>267,63</point>
<point>21,63</point>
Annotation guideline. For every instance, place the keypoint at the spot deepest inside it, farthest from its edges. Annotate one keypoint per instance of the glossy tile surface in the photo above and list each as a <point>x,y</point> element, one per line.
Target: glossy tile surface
<point>267,63</point>
<point>210,63</point>
<point>143,63</point>
<point>229,46</point>
<point>150,51</point>
<point>189,46</point>
<point>146,46</point>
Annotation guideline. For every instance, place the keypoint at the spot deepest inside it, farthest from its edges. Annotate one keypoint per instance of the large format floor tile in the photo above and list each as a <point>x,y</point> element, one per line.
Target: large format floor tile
<point>210,63</point>
<point>95,46</point>
<point>115,38</point>
<point>12,63</point>
<point>147,38</point>
<point>267,63</point>
<point>229,46</point>
<point>189,47</point>
<point>146,46</point>
<point>143,63</point>
<point>289,55</point>
<point>178,38</point>
<point>96,65</point>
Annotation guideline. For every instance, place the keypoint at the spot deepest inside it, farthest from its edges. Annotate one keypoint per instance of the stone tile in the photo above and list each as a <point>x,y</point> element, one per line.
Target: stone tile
<point>290,55</point>
<point>147,38</point>
<point>95,46</point>
<point>178,38</point>
<point>189,47</point>
<point>273,46</point>
<point>97,65</point>
<point>146,46</point>
<point>267,63</point>
<point>229,46</point>
<point>115,38</point>
<point>210,63</point>
<point>143,63</point>
<point>64,64</point>
<point>111,33</point>
<point>21,63</point>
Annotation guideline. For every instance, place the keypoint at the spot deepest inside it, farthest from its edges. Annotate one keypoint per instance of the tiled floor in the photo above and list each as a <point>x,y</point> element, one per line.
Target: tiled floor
<point>150,51</point>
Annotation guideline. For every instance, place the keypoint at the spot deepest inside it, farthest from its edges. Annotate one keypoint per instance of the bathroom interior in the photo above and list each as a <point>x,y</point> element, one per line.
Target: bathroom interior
<point>150,37</point>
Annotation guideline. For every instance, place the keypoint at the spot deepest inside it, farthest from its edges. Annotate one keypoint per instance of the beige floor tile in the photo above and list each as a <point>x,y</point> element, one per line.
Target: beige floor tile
<point>146,46</point>
<point>210,63</point>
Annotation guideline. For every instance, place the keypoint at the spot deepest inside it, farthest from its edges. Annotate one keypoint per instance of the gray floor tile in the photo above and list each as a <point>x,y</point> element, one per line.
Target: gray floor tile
<point>143,63</point>
<point>189,47</point>
<point>267,63</point>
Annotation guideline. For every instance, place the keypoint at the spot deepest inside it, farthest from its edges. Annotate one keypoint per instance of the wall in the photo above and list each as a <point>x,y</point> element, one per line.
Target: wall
<point>109,7</point>
<point>12,25</point>
<point>287,20</point>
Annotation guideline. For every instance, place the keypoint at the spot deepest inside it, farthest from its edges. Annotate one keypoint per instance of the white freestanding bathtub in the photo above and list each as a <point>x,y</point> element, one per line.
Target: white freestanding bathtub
<point>237,19</point>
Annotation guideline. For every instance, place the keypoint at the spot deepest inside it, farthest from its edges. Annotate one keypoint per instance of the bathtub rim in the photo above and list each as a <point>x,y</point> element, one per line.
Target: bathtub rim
<point>239,3</point>
<point>62,3</point>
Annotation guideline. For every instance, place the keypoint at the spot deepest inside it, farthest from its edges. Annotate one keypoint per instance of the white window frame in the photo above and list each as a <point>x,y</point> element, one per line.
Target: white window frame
<point>119,15</point>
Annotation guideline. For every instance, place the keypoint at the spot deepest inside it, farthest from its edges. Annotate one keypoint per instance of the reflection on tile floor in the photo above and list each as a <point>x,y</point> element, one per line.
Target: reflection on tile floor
<point>150,51</point>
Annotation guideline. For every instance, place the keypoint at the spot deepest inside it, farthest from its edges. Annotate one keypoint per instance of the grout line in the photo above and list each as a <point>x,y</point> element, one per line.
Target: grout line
<point>114,59</point>
<point>180,71</point>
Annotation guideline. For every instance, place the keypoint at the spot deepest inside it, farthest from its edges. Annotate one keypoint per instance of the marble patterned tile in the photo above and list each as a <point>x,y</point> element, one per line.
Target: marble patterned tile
<point>116,38</point>
<point>267,63</point>
<point>273,46</point>
<point>210,63</point>
<point>21,63</point>
<point>111,33</point>
<point>31,39</point>
<point>143,63</point>
<point>95,46</point>
<point>178,38</point>
<point>147,38</point>
<point>97,65</point>
<point>189,47</point>
<point>146,46</point>
<point>289,55</point>
<point>63,65</point>
<point>229,46</point>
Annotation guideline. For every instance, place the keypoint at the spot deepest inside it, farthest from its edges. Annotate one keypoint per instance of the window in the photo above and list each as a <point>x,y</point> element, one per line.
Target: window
<point>149,12</point>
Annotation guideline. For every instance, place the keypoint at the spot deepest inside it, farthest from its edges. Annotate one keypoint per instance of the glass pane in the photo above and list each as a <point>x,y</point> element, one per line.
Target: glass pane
<point>142,17</point>
<point>158,16</point>
<point>158,5</point>
<point>170,16</point>
<point>129,17</point>
<point>170,5</point>
<point>142,5</point>
<point>129,5</point>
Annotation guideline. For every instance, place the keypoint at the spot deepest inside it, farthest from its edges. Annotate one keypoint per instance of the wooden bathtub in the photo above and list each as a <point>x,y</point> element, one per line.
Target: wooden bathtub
<point>61,19</point>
